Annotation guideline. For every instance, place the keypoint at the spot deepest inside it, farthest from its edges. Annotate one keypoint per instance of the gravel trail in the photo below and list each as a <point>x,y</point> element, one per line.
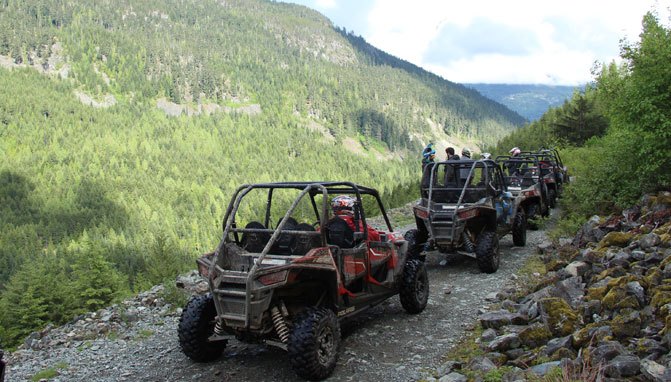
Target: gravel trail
<point>384,344</point>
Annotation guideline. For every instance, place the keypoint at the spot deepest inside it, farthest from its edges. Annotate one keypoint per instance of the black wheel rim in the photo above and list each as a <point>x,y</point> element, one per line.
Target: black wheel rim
<point>326,345</point>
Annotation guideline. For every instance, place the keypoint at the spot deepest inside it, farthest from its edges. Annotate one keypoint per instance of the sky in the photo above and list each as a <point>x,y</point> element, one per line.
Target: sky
<point>546,42</point>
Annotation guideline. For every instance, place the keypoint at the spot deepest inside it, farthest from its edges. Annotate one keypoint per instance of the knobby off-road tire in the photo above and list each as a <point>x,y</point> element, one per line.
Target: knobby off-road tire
<point>532,215</point>
<point>545,212</point>
<point>520,228</point>
<point>414,290</point>
<point>196,325</point>
<point>414,247</point>
<point>552,198</point>
<point>487,252</point>
<point>313,344</point>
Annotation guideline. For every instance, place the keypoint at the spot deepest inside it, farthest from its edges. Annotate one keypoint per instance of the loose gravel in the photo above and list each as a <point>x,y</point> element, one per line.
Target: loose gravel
<point>384,344</point>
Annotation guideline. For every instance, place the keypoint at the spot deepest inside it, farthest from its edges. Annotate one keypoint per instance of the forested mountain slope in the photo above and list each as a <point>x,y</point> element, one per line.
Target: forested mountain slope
<point>125,126</point>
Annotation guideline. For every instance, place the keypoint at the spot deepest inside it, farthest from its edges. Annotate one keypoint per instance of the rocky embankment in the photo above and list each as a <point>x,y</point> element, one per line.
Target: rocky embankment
<point>601,313</point>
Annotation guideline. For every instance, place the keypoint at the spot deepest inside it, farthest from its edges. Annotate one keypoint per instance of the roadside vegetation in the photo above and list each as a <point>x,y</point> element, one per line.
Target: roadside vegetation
<point>615,136</point>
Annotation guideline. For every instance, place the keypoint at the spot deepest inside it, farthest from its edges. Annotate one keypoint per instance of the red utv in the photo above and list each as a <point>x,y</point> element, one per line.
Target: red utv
<point>291,284</point>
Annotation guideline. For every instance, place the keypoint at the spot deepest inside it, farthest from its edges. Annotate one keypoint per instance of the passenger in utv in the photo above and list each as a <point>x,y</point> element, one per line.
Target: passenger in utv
<point>428,155</point>
<point>343,207</point>
<point>450,155</point>
<point>463,172</point>
<point>513,165</point>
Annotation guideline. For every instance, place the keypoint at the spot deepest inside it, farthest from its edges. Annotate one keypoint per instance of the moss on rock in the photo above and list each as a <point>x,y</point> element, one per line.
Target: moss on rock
<point>616,239</point>
<point>596,293</point>
<point>617,299</point>
<point>661,295</point>
<point>654,277</point>
<point>560,318</point>
<point>535,335</point>
<point>626,325</point>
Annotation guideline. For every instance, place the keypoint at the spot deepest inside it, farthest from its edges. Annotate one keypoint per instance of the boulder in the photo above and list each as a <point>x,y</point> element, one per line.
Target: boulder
<point>504,342</point>
<point>577,268</point>
<point>501,318</point>
<point>616,239</point>
<point>558,343</point>
<point>535,335</point>
<point>588,233</point>
<point>488,335</point>
<point>559,317</point>
<point>634,288</point>
<point>622,366</point>
<point>626,325</point>
<point>482,364</point>
<point>606,351</point>
<point>647,242</point>
<point>544,368</point>
<point>453,377</point>
<point>654,371</point>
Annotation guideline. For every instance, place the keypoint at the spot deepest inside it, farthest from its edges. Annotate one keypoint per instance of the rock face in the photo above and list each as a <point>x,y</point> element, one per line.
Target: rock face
<point>603,309</point>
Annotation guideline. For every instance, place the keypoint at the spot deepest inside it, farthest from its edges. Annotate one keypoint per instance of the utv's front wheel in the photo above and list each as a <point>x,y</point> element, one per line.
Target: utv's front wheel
<point>520,228</point>
<point>532,215</point>
<point>414,246</point>
<point>487,252</point>
<point>313,344</point>
<point>414,291</point>
<point>552,198</point>
<point>196,325</point>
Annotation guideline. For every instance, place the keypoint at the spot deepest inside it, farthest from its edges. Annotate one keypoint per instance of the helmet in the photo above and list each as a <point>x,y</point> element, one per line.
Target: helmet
<point>515,151</point>
<point>486,155</point>
<point>429,153</point>
<point>343,205</point>
<point>466,152</point>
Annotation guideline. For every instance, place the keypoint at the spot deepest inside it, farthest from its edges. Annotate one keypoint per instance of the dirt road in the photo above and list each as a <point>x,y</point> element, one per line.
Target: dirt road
<point>385,344</point>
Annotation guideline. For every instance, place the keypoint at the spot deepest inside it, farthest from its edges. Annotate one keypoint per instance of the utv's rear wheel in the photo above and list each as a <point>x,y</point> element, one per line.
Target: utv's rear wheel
<point>487,252</point>
<point>552,198</point>
<point>414,291</point>
<point>532,215</point>
<point>520,228</point>
<point>196,325</point>
<point>313,344</point>
<point>414,247</point>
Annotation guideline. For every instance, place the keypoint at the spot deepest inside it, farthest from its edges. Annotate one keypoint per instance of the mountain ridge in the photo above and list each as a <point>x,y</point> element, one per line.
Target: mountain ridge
<point>529,100</point>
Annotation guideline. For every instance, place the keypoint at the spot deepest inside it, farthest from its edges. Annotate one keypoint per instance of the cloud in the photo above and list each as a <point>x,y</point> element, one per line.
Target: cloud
<point>521,41</point>
<point>480,37</point>
<point>325,4</point>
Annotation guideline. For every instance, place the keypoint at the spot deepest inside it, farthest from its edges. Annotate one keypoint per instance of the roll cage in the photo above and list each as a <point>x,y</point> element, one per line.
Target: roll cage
<point>235,234</point>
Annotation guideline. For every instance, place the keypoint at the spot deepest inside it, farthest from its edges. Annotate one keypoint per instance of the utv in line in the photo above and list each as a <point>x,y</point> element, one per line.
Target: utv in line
<point>465,208</point>
<point>554,174</point>
<point>291,285</point>
<point>526,185</point>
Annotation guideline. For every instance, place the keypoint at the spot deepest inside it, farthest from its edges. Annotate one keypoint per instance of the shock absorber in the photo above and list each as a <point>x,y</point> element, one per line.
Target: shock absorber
<point>280,324</point>
<point>468,244</point>
<point>219,328</point>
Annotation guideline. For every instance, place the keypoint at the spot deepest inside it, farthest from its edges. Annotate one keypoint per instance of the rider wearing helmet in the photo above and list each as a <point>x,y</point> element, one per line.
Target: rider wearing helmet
<point>514,166</point>
<point>428,155</point>
<point>343,207</point>
<point>463,172</point>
